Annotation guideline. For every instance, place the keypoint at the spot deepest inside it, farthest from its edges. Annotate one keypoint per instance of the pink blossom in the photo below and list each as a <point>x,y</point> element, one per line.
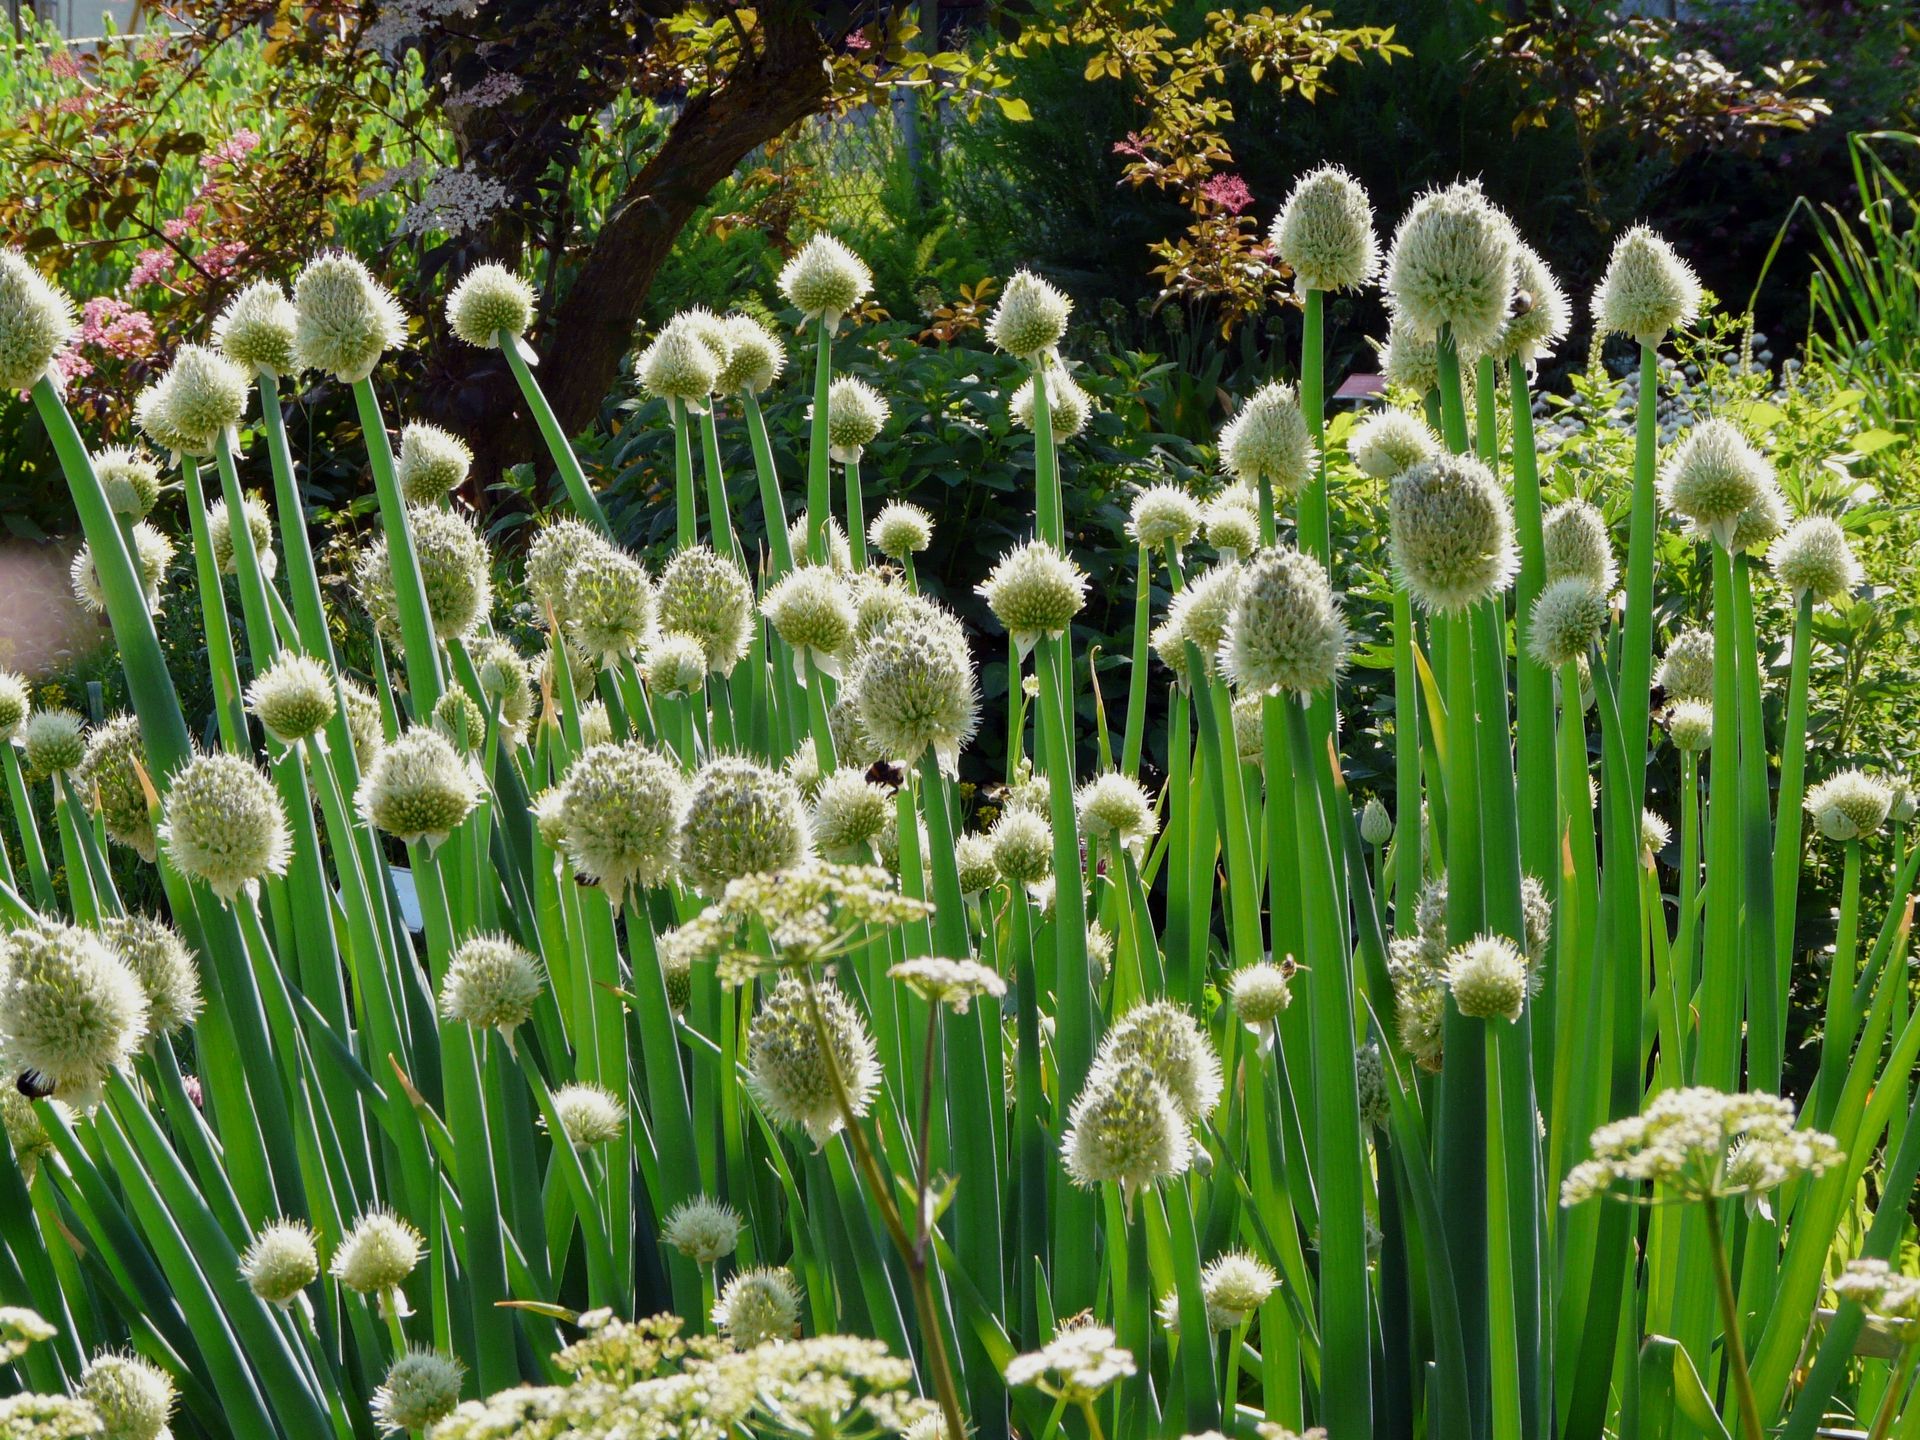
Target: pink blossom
<point>69,365</point>
<point>223,259</point>
<point>231,151</point>
<point>71,104</point>
<point>149,267</point>
<point>500,86</point>
<point>62,66</point>
<point>1229,192</point>
<point>115,327</point>
<point>857,41</point>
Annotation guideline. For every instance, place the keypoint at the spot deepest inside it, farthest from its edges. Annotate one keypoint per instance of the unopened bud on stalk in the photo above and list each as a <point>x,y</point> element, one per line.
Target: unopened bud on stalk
<point>1324,232</point>
<point>1376,826</point>
<point>489,300</point>
<point>1647,291</point>
<point>741,819</point>
<point>36,321</point>
<point>257,330</point>
<point>1452,533</point>
<point>1031,317</point>
<point>222,823</point>
<point>1850,806</point>
<point>1452,267</point>
<point>825,280</point>
<point>1389,441</point>
<point>346,320</point>
<point>432,464</point>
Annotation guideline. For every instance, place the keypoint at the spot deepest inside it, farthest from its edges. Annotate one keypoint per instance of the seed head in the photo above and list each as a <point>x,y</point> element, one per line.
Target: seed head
<point>1409,362</point>
<point>422,1387</point>
<point>788,1068</point>
<point>492,982</point>
<point>346,319</point>
<point>70,1009</point>
<point>1540,313</point>
<point>1389,441</point>
<point>1285,631</point>
<point>458,716</point>
<point>506,680</point>
<point>1068,406</point>
<point>1452,533</point>
<point>676,665</point>
<point>912,688</point>
<point>259,531</point>
<point>1690,725</point>
<point>1035,592</point>
<point>293,697</point>
<point>454,571</point>
<point>134,1398</point>
<point>130,479</point>
<point>36,321</point>
<point>1568,617</point>
<point>1814,558</point>
<point>755,357</point>
<point>1022,847</point>
<point>1198,616</point>
<point>741,819</point>
<point>551,555</point>
<point>109,780</point>
<point>490,299</point>
<point>152,553</point>
<point>680,364</point>
<point>702,1229</point>
<point>706,597</point>
<point>280,1262</point>
<point>15,705</point>
<point>1576,544</point>
<point>1713,478</point>
<point>974,856</point>
<point>1164,515</point>
<point>1686,671</point>
<point>825,280</point>
<point>848,812</point>
<point>1452,266</point>
<point>153,413</point>
<point>1260,992</point>
<point>1647,291</point>
<point>433,463</point>
<point>589,1115</point>
<point>1231,520</point>
<point>855,414</point>
<point>1113,807</point>
<point>811,609</point>
<point>54,742</point>
<point>418,789</point>
<point>1376,825</point>
<point>758,1306</point>
<point>1268,439</point>
<point>1851,805</point>
<point>1324,232</point>
<point>377,1254</point>
<point>609,605</point>
<point>222,823</point>
<point>620,808</point>
<point>207,395</point>
<point>1124,1128</point>
<point>1171,1043</point>
<point>1235,1286</point>
<point>256,331</point>
<point>901,530</point>
<point>1030,318</point>
<point>1488,978</point>
<point>161,962</point>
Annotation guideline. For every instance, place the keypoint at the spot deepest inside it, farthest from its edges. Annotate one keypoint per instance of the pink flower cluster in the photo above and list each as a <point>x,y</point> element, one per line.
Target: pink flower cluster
<point>149,267</point>
<point>1229,192</point>
<point>115,327</point>
<point>231,151</point>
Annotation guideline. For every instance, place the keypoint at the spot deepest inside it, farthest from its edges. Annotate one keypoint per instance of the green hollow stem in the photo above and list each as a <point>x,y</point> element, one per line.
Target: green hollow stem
<point>1788,829</point>
<point>719,511</point>
<point>585,503</point>
<point>1533,683</point>
<point>1736,1349</point>
<point>421,656</point>
<point>819,472</point>
<point>856,516</point>
<point>1721,988</point>
<point>1502,1304</point>
<point>686,509</point>
<point>1136,733</point>
<point>1406,767</point>
<point>1315,533</point>
<point>1842,1019</point>
<point>773,514</point>
<point>1636,647</point>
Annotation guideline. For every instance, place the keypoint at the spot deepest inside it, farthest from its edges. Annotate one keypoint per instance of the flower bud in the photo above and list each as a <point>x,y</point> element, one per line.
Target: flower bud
<point>256,331</point>
<point>454,572</point>
<point>787,1067</point>
<point>1576,545</point>
<point>1171,1043</point>
<point>1285,631</point>
<point>1324,232</point>
<point>1268,440</point>
<point>1568,617</point>
<point>293,697</point>
<point>130,479</point>
<point>418,789</point>
<point>706,597</point>
<point>1814,558</point>
<point>1022,847</point>
<point>1068,406</point>
<point>1389,441</point>
<point>280,1262</point>
<point>825,280</point>
<point>1851,805</point>
<point>346,320</point>
<point>755,357</point>
<point>1452,267</point>
<point>811,610</point>
<point>1164,516</point>
<point>901,530</point>
<point>109,781</point>
<point>913,688</point>
<point>741,819</point>
<point>1030,318</point>
<point>609,605</point>
<point>619,809</point>
<point>1125,1129</point>
<point>433,463</point>
<point>422,1387</point>
<point>848,813</point>
<point>1488,979</point>
<point>36,321</point>
<point>161,962</point>
<point>702,1229</point>
<point>152,553</point>
<point>222,823</point>
<point>1690,725</point>
<point>489,301</point>
<point>1647,291</point>
<point>1035,592</point>
<point>589,1115</point>
<point>1713,478</point>
<point>492,982</point>
<point>1686,671</point>
<point>855,414</point>
<point>378,1254</point>
<point>134,1398</point>
<point>757,1306</point>
<point>1198,617</point>
<point>70,1009</point>
<point>1376,826</point>
<point>1452,533</point>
